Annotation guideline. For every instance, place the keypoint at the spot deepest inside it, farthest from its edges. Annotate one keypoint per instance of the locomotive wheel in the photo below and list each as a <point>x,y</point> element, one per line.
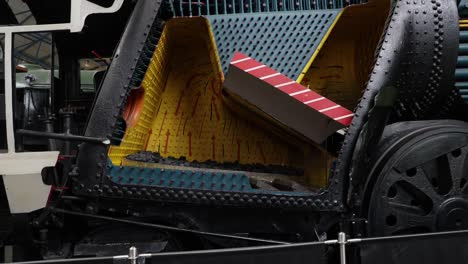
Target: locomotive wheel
<point>419,180</point>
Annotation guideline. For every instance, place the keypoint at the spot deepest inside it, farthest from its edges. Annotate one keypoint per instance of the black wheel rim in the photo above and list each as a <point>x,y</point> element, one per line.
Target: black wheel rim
<point>427,196</point>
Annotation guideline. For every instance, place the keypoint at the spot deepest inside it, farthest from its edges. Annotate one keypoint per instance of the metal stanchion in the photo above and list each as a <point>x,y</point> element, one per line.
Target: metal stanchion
<point>133,255</point>
<point>342,245</point>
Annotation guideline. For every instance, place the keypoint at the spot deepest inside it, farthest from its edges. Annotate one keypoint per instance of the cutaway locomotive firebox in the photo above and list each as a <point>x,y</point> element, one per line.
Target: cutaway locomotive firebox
<point>177,136</point>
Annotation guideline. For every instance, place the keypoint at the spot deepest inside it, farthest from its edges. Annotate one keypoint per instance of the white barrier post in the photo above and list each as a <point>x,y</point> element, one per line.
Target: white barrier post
<point>342,245</point>
<point>133,255</point>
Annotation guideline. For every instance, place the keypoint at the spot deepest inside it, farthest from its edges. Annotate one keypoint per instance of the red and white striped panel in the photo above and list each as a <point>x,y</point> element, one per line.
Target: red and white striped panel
<point>300,93</point>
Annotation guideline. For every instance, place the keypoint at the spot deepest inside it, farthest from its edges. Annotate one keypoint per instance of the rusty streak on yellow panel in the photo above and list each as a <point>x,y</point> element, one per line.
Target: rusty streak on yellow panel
<point>342,66</point>
<point>184,114</point>
<point>192,120</point>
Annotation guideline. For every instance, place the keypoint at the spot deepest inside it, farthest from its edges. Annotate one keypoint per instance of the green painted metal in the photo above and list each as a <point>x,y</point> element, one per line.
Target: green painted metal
<point>222,7</point>
<point>285,41</point>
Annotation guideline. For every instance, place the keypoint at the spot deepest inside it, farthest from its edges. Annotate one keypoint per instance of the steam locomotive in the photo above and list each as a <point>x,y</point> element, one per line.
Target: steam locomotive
<point>186,136</point>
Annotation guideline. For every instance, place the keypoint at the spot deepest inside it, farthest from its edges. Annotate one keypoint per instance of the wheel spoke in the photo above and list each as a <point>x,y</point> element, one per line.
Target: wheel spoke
<point>457,161</point>
<point>393,176</point>
<point>403,207</point>
<point>421,182</point>
<point>437,172</point>
<point>400,222</point>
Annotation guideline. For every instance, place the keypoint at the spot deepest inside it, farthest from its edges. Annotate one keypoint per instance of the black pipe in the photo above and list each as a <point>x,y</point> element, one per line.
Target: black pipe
<point>66,118</point>
<point>65,137</point>
<point>49,124</point>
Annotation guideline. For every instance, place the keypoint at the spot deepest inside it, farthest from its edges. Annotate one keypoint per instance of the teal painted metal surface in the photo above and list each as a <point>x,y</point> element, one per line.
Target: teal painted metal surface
<point>222,7</point>
<point>463,49</point>
<point>463,88</point>
<point>463,36</point>
<point>186,179</point>
<point>463,8</point>
<point>462,85</point>
<point>461,73</point>
<point>462,61</point>
<point>215,181</point>
<point>285,41</point>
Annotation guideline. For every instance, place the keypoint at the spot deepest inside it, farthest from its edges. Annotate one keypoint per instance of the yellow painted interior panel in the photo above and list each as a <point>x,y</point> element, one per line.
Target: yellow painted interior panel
<point>182,112</point>
<point>137,132</point>
<point>342,66</point>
